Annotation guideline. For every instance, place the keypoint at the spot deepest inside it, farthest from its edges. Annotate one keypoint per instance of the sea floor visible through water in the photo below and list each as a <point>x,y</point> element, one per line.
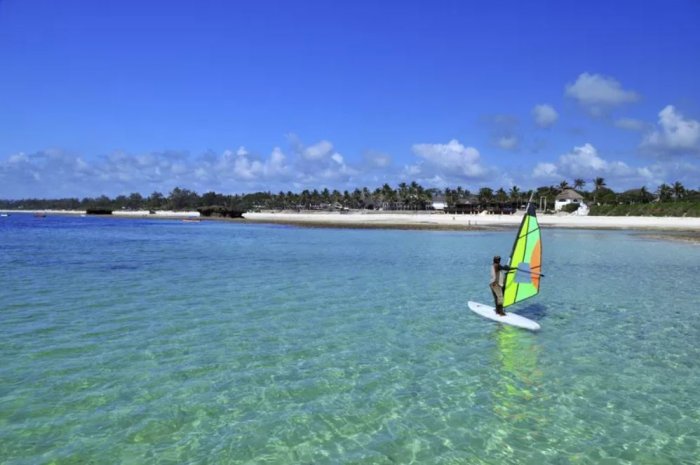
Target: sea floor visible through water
<point>141,341</point>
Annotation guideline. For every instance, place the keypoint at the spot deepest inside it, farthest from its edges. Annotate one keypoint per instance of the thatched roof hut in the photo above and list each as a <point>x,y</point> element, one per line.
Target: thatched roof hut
<point>570,195</point>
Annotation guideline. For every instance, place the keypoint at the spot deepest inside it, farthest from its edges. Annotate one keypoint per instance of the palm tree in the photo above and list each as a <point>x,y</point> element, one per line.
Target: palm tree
<point>579,183</point>
<point>388,196</point>
<point>449,196</point>
<point>366,197</point>
<point>598,183</point>
<point>665,192</point>
<point>357,198</point>
<point>305,198</point>
<point>315,198</point>
<point>501,197</point>
<point>514,194</point>
<point>563,185</point>
<point>643,194</point>
<point>281,200</point>
<point>155,201</point>
<point>403,193</point>
<point>461,194</point>
<point>326,195</point>
<point>678,191</point>
<point>415,194</point>
<point>485,195</point>
<point>378,198</point>
<point>336,196</point>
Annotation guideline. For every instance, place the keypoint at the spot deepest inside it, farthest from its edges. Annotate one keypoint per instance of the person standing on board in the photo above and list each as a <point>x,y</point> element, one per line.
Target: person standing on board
<point>496,284</point>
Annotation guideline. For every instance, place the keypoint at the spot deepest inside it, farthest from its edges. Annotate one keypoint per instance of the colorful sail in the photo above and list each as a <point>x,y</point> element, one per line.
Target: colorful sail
<point>523,280</point>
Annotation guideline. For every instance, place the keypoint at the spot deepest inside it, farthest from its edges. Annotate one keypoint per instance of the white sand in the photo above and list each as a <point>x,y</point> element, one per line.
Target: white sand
<point>431,220</point>
<point>158,213</point>
<point>442,221</point>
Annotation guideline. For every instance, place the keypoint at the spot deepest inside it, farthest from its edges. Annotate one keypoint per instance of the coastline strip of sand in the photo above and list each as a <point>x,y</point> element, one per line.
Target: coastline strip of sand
<point>687,227</point>
<point>447,221</point>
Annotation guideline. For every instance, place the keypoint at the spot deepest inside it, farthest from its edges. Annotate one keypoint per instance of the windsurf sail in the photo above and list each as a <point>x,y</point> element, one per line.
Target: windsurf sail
<point>523,279</point>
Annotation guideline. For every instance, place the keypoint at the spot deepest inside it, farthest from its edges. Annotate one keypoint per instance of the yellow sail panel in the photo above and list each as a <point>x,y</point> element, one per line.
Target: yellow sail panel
<point>523,280</point>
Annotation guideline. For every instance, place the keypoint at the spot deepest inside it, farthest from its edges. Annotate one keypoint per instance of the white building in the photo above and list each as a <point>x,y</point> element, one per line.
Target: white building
<point>438,203</point>
<point>566,197</point>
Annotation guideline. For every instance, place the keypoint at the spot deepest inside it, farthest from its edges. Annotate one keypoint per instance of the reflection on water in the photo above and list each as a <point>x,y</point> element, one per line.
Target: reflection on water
<point>517,388</point>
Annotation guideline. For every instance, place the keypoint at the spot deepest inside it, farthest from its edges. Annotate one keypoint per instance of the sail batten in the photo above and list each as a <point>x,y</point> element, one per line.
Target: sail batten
<point>523,281</point>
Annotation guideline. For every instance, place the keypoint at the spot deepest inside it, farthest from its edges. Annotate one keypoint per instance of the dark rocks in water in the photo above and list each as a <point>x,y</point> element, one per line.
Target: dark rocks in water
<point>221,212</point>
<point>98,211</point>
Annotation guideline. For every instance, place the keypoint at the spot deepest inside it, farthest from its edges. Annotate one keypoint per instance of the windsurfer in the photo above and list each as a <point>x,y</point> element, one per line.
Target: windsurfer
<point>497,281</point>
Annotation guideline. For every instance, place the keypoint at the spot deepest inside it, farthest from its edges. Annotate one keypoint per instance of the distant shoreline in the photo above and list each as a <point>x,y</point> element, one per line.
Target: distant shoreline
<point>686,229</point>
<point>165,214</point>
<point>461,222</point>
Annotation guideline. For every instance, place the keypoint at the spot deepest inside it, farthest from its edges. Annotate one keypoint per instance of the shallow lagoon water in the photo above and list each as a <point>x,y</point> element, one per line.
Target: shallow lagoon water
<point>137,341</point>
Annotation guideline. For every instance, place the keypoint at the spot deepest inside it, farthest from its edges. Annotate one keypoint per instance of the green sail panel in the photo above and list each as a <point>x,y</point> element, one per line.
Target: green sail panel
<point>523,281</point>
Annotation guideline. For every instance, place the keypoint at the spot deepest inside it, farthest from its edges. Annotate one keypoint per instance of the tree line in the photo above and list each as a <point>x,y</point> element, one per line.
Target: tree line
<point>405,196</point>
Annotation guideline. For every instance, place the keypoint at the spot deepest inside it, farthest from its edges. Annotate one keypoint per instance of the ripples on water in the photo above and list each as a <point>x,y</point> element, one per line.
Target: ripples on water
<point>134,341</point>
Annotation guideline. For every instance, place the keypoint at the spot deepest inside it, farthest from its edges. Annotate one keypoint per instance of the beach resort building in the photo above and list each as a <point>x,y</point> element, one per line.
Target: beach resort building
<point>566,197</point>
<point>438,203</point>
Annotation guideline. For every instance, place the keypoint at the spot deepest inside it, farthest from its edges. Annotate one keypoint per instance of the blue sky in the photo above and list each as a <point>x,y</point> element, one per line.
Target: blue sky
<point>120,97</point>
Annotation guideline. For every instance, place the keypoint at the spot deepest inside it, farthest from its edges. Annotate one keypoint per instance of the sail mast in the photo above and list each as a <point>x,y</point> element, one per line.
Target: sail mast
<point>523,281</point>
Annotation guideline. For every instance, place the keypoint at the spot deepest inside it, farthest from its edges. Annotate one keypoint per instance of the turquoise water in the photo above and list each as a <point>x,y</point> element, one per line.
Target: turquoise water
<point>135,341</point>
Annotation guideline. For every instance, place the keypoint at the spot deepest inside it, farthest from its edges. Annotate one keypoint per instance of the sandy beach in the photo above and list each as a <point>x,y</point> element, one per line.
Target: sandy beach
<point>466,222</point>
<point>687,229</point>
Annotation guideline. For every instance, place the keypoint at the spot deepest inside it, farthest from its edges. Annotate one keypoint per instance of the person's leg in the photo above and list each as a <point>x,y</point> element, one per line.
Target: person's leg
<point>497,297</point>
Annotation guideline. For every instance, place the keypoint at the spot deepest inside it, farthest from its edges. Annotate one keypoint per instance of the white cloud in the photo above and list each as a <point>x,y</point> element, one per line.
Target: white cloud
<point>243,166</point>
<point>320,163</point>
<point>674,134</point>
<point>454,157</point>
<point>55,173</point>
<point>544,115</point>
<point>669,172</point>
<point>58,174</point>
<point>630,124</point>
<point>18,158</point>
<point>277,163</point>
<point>507,142</point>
<point>411,170</point>
<point>377,160</point>
<point>318,151</point>
<point>597,93</point>
<point>338,158</point>
<point>585,162</point>
<point>545,171</point>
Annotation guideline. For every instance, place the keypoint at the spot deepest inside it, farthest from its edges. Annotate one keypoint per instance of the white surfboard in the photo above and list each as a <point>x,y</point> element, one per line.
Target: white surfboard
<point>510,319</point>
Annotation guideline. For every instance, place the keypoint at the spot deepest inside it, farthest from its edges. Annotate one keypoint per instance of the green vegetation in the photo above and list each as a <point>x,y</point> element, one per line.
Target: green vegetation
<point>680,208</point>
<point>667,200</point>
<point>220,212</point>
<point>570,208</point>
